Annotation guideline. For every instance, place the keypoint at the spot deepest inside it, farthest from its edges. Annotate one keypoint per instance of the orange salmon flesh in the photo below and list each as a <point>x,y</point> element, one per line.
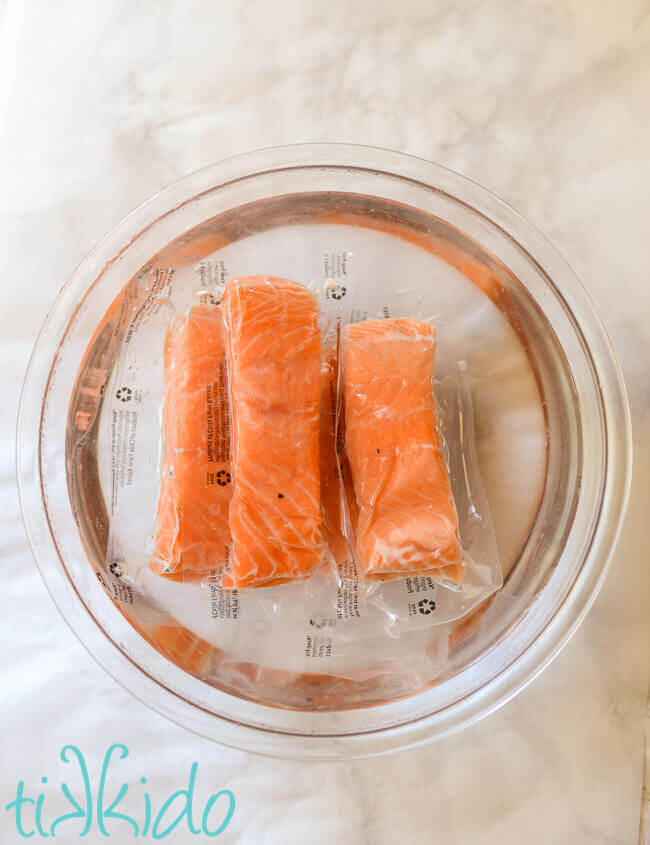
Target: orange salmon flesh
<point>404,517</point>
<point>250,487</point>
<point>193,535</point>
<point>273,343</point>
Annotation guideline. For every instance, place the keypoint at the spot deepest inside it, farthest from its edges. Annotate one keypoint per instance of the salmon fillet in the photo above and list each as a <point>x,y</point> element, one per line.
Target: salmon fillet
<point>404,516</point>
<point>274,364</point>
<point>192,536</point>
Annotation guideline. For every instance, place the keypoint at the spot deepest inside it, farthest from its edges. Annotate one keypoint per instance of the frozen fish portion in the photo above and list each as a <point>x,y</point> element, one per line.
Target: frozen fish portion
<point>192,534</point>
<point>274,364</point>
<point>403,514</point>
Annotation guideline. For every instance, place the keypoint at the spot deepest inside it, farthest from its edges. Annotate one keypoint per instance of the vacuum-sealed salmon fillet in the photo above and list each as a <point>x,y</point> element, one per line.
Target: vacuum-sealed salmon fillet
<point>405,520</point>
<point>274,363</point>
<point>192,536</point>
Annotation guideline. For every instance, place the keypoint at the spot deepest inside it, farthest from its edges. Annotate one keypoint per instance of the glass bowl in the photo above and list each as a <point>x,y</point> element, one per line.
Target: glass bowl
<point>550,413</point>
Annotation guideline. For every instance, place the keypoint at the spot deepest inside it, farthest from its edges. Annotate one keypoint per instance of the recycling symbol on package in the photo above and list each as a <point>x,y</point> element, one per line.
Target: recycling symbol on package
<point>339,293</point>
<point>426,606</point>
<point>124,394</point>
<point>223,477</point>
<point>116,569</point>
<point>319,621</point>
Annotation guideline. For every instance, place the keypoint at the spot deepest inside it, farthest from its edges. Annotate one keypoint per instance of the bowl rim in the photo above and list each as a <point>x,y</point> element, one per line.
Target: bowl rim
<point>475,705</point>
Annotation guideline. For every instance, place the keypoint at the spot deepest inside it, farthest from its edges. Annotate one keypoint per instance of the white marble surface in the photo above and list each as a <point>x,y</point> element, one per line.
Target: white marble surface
<point>544,102</point>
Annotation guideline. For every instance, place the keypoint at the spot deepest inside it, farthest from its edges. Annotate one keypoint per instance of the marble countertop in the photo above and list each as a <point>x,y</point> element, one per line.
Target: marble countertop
<point>544,103</point>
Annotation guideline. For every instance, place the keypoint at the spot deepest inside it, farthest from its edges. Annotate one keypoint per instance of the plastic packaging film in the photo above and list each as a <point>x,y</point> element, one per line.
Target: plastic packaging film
<point>177,464</point>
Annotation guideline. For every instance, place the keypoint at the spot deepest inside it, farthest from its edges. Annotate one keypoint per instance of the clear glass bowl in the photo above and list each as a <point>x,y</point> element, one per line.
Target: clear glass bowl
<point>552,435</point>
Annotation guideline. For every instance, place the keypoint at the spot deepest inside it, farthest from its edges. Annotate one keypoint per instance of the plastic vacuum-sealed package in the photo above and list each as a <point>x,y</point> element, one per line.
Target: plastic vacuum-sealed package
<point>290,478</point>
<point>421,543</point>
<point>423,593</point>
